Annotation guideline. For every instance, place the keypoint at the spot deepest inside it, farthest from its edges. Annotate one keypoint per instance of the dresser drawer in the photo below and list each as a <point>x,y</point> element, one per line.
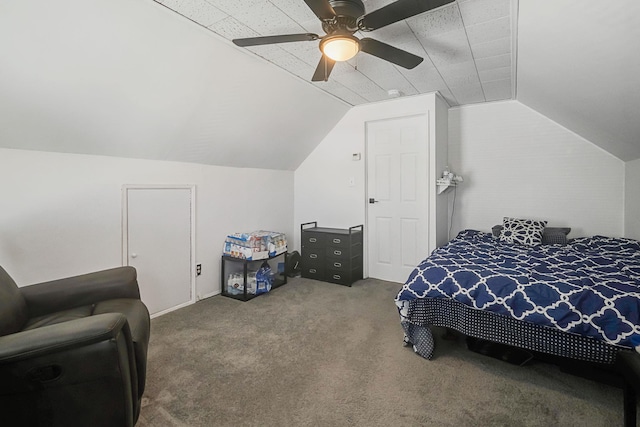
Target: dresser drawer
<point>338,265</point>
<point>340,277</point>
<point>311,238</point>
<point>313,255</point>
<point>334,252</point>
<point>312,262</point>
<point>338,240</point>
<point>312,272</point>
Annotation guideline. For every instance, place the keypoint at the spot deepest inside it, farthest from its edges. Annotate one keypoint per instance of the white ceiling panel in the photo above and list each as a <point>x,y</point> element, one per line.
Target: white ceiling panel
<point>442,20</point>
<point>497,89</point>
<point>403,38</point>
<point>306,51</point>
<point>234,7</point>
<point>424,78</point>
<point>385,74</point>
<point>295,9</point>
<point>312,26</point>
<point>231,28</point>
<point>460,72</point>
<point>491,48</point>
<point>448,48</point>
<point>401,34</point>
<point>266,19</point>
<point>358,83</point>
<point>491,62</point>
<point>200,11</point>
<point>493,74</point>
<point>468,94</point>
<point>488,31</point>
<point>428,79</point>
<point>268,52</point>
<point>480,11</point>
<point>294,65</point>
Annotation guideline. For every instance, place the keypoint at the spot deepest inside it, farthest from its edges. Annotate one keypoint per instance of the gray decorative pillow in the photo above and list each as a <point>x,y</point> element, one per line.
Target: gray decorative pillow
<point>555,235</point>
<point>522,231</point>
<point>551,235</point>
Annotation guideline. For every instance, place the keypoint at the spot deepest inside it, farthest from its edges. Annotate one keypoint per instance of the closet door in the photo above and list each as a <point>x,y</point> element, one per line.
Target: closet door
<point>158,242</point>
<point>397,195</point>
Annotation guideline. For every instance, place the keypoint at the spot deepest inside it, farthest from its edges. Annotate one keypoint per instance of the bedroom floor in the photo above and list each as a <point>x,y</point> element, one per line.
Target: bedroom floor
<point>316,354</point>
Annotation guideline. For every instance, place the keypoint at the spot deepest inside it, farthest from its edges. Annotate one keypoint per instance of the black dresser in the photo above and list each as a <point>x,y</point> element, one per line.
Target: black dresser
<point>331,254</point>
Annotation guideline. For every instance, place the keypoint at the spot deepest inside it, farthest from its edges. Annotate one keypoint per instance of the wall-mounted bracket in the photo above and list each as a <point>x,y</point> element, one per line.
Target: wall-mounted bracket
<point>444,184</point>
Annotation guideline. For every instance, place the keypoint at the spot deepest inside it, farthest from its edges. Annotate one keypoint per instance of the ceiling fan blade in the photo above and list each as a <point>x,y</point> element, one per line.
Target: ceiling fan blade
<point>256,41</point>
<point>323,69</point>
<point>397,11</point>
<point>321,8</point>
<point>389,53</point>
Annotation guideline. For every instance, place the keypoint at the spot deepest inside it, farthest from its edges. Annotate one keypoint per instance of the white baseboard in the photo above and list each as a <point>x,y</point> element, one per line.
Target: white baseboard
<point>212,294</point>
<point>169,310</point>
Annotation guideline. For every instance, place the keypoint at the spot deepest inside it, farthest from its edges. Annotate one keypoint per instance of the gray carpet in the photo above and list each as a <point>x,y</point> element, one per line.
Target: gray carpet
<point>316,354</point>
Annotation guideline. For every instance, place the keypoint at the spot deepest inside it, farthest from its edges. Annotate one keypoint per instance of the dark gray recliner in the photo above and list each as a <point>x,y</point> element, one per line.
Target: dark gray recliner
<point>73,351</point>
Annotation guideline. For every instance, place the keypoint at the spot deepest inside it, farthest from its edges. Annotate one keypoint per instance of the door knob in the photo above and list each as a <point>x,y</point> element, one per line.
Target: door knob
<point>134,255</point>
<point>372,200</point>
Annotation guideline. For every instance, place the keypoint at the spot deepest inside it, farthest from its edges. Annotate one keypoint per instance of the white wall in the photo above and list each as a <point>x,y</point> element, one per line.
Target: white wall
<point>574,67</point>
<point>322,191</point>
<point>632,200</point>
<point>61,213</point>
<point>439,159</point>
<point>518,163</point>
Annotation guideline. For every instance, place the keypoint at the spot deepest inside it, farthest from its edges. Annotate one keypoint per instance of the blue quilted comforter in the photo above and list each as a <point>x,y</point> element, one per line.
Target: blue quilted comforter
<point>590,286</point>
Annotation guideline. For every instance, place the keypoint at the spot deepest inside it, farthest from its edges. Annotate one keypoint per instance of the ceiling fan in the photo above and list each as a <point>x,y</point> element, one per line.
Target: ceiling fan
<point>340,19</point>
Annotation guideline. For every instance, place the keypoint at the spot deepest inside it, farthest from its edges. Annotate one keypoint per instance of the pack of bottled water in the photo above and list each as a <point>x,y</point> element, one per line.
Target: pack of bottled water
<point>255,245</point>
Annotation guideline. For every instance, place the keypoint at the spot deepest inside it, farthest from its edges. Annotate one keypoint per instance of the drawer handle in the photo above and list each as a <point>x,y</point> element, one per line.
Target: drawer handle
<point>337,276</point>
<point>337,240</point>
<point>312,270</point>
<point>337,264</point>
<point>313,256</point>
<point>337,252</point>
<point>312,239</point>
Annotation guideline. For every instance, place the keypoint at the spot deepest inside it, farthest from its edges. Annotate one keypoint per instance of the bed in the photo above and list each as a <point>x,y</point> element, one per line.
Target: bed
<point>577,299</point>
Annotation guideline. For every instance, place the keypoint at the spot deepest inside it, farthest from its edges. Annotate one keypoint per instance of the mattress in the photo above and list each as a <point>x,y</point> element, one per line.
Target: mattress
<point>580,300</point>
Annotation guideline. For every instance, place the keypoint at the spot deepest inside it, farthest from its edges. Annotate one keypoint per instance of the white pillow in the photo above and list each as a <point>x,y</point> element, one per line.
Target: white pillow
<point>522,231</point>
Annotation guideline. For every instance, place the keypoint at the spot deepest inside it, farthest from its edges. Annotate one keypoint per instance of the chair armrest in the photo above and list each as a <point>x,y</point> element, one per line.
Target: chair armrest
<point>60,337</point>
<point>76,291</point>
<point>82,372</point>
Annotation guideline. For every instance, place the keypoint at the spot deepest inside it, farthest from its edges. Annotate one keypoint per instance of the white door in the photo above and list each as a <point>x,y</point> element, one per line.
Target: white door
<point>397,195</point>
<point>157,241</point>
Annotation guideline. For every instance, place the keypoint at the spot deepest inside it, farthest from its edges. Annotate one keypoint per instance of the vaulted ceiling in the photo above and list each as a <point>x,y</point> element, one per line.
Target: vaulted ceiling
<point>579,64</point>
<point>161,79</point>
<point>467,46</point>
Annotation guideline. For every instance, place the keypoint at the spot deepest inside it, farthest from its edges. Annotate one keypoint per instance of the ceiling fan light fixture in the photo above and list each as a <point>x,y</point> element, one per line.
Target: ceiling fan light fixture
<point>340,47</point>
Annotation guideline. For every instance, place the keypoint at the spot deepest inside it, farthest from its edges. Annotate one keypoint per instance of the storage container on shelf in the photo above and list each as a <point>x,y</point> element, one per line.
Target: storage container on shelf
<point>255,245</point>
<point>235,285</point>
